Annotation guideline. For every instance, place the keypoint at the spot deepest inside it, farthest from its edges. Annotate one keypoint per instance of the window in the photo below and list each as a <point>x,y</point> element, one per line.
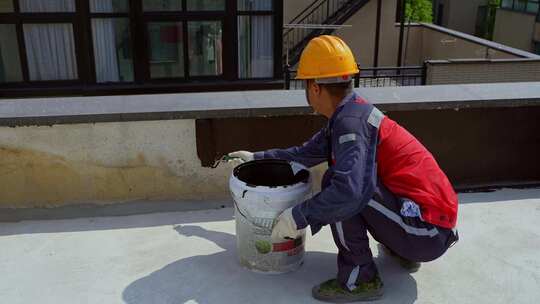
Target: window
<point>10,64</point>
<point>112,49</point>
<point>206,5</point>
<point>162,5</point>
<point>507,3</point>
<point>255,39</point>
<point>47,6</point>
<point>90,44</point>
<point>109,6</point>
<point>205,48</point>
<point>184,45</point>
<point>528,6</point>
<point>50,51</point>
<point>255,5</point>
<point>166,48</point>
<point>111,39</point>
<point>255,47</point>
<point>532,7</point>
<point>43,38</point>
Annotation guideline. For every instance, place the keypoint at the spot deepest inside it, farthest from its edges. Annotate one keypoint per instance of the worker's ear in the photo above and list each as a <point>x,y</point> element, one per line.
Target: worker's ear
<point>316,88</point>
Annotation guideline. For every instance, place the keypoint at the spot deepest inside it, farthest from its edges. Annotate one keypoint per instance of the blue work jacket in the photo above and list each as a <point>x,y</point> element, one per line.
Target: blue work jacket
<point>349,143</point>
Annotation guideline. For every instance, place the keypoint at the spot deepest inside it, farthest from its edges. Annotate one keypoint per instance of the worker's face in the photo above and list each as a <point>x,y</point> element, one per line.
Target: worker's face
<point>315,97</point>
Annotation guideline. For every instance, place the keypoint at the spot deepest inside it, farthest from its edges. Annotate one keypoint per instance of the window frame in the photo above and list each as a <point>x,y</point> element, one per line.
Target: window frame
<point>92,59</point>
<point>81,21</point>
<point>19,19</point>
<point>184,18</point>
<point>277,39</point>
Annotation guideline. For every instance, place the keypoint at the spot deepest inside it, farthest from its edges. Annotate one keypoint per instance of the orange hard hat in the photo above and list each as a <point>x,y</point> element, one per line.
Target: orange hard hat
<point>327,57</point>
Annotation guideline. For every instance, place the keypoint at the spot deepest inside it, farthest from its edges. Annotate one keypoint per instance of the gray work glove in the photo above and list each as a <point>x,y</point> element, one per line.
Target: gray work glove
<point>285,227</point>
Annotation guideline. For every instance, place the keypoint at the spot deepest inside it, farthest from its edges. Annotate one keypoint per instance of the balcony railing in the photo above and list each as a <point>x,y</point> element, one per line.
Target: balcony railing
<point>372,77</point>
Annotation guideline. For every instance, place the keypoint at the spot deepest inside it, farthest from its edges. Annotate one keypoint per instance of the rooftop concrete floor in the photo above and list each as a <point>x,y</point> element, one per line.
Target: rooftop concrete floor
<point>189,257</point>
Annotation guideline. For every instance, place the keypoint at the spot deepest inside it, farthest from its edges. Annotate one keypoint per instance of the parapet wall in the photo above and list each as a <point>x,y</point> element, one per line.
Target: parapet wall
<point>482,71</point>
<point>114,151</point>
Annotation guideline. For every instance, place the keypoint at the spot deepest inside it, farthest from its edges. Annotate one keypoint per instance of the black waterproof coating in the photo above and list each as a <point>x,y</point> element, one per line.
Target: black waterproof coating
<point>270,173</point>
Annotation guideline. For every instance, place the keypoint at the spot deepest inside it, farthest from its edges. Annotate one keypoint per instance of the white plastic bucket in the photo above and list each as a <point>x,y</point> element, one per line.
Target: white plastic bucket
<point>261,190</point>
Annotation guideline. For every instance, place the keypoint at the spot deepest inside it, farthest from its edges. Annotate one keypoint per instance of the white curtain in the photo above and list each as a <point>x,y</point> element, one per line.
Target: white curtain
<point>51,51</point>
<point>104,38</point>
<point>101,6</point>
<point>255,5</point>
<point>262,48</point>
<point>42,6</point>
<point>50,48</point>
<point>256,47</point>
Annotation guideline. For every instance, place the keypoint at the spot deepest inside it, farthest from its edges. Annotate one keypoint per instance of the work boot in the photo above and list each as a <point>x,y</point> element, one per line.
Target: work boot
<point>331,291</point>
<point>409,265</point>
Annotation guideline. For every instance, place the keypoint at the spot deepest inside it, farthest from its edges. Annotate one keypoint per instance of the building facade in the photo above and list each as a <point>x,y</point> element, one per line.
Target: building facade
<point>459,15</point>
<point>518,24</point>
<point>114,44</point>
<point>107,47</point>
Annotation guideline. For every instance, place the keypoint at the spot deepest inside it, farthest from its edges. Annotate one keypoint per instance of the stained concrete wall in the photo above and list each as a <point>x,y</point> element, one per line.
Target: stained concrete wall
<point>104,163</point>
<point>152,153</point>
<point>515,29</point>
<point>107,163</point>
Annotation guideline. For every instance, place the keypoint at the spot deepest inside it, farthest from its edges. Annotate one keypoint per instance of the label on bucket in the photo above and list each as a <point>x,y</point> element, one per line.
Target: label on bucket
<point>257,251</point>
<point>287,245</point>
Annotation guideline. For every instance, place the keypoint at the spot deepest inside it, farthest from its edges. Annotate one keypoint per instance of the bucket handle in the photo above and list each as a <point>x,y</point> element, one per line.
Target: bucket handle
<point>250,220</point>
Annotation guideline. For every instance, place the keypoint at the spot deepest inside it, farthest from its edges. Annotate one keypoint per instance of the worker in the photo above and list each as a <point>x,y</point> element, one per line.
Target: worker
<point>380,179</point>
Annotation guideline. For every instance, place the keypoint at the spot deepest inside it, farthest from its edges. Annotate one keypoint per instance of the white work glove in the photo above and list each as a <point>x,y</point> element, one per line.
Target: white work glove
<point>285,227</point>
<point>242,156</point>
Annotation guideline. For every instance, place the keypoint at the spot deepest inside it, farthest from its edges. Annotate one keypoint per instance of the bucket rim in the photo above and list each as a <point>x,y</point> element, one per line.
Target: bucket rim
<point>261,188</point>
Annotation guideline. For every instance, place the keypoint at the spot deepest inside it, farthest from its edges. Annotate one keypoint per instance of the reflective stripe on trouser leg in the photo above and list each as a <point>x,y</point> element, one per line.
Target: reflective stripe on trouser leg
<point>398,220</point>
<point>354,257</point>
<point>353,277</point>
<point>339,228</point>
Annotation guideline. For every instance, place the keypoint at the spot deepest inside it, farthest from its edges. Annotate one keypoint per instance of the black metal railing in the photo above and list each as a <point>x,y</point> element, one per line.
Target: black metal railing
<point>372,77</point>
<point>319,18</point>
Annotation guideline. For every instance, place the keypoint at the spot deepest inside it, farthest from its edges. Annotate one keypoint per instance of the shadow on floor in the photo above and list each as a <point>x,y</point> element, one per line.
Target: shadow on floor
<point>218,278</point>
<point>115,209</point>
<point>116,222</point>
